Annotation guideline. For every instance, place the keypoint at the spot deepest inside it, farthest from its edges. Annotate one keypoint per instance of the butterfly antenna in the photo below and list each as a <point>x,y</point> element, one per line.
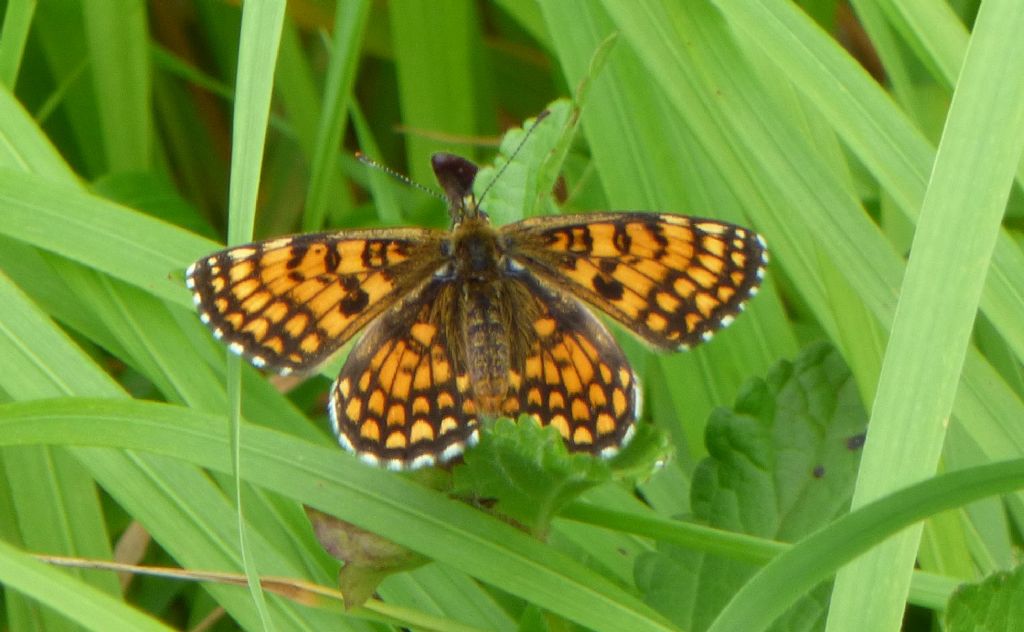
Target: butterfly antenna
<point>540,117</point>
<point>370,162</point>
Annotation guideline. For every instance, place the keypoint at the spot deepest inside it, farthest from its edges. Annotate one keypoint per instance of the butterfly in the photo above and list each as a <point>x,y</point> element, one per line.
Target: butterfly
<point>477,322</point>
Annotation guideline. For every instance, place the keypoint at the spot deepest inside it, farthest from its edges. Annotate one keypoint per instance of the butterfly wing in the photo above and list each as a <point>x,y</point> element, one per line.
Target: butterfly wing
<point>574,376</point>
<point>673,280</point>
<point>288,303</point>
<point>402,400</point>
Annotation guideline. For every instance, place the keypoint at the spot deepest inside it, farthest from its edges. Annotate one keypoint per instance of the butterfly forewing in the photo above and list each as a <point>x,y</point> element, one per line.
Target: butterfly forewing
<point>673,280</point>
<point>288,303</point>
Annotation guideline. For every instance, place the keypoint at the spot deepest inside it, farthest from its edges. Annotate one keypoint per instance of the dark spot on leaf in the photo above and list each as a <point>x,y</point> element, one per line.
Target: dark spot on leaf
<point>560,190</point>
<point>819,471</point>
<point>856,442</point>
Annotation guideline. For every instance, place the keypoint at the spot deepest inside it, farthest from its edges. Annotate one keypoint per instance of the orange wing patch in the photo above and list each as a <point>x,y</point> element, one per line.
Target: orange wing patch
<point>288,303</point>
<point>673,280</point>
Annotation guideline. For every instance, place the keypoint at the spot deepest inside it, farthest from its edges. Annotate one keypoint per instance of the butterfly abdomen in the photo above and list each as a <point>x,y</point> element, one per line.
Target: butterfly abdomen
<point>485,340</point>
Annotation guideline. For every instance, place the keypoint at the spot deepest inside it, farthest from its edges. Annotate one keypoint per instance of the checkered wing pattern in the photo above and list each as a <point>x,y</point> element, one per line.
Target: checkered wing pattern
<point>575,376</point>
<point>402,399</point>
<point>673,280</point>
<point>288,303</point>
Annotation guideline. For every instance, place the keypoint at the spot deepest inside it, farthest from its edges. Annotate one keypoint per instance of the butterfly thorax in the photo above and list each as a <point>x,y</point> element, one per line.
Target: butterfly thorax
<point>475,250</point>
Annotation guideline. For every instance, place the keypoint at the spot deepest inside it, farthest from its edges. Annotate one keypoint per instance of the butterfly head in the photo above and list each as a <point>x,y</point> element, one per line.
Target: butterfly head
<point>456,176</point>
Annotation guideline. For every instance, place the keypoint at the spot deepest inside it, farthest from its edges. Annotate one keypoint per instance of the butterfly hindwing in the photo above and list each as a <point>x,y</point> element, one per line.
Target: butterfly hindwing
<point>574,376</point>
<point>402,400</point>
<point>288,303</point>
<point>673,280</point>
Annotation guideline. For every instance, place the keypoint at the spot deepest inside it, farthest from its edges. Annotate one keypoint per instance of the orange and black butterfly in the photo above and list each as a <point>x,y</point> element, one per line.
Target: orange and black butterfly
<point>478,321</point>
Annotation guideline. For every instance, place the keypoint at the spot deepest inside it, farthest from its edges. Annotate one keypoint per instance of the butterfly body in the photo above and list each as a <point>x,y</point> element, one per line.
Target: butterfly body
<point>478,321</point>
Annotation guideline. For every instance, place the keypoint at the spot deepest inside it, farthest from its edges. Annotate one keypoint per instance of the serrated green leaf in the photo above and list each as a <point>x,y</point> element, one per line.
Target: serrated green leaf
<point>511,196</point>
<point>993,605</point>
<point>528,470</point>
<point>644,455</point>
<point>782,464</point>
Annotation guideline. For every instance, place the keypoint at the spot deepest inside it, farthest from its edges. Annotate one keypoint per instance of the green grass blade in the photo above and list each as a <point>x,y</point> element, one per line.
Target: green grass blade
<point>107,237</point>
<point>928,589</point>
<point>88,607</point>
<point>24,147</point>
<point>261,35</point>
<point>16,23</point>
<point>349,25</point>
<point>257,58</point>
<point>956,235</point>
<point>179,505</point>
<point>933,31</point>
<point>446,530</point>
<point>895,151</point>
<point>434,44</point>
<point>64,47</point>
<point>120,69</point>
<point>782,581</point>
<point>56,506</point>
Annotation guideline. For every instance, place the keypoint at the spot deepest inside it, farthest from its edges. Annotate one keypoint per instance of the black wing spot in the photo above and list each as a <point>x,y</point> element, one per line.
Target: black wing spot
<point>355,302</point>
<point>610,289</point>
<point>333,258</point>
<point>621,239</point>
<point>298,254</point>
<point>350,284</point>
